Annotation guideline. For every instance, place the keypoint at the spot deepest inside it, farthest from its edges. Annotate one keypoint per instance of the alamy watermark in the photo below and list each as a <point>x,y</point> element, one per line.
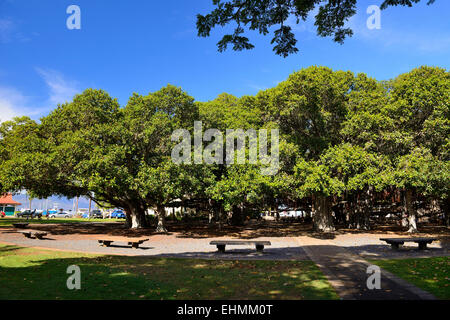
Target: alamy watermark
<point>374,280</point>
<point>74,280</point>
<point>374,21</point>
<point>235,147</point>
<point>74,20</point>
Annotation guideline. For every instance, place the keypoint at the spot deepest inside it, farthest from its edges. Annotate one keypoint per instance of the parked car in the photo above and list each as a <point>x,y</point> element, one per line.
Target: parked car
<point>117,214</point>
<point>97,214</point>
<point>29,214</point>
<point>60,214</point>
<point>48,213</point>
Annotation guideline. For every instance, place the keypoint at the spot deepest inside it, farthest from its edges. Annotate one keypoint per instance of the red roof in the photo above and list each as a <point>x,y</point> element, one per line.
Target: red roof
<point>7,199</point>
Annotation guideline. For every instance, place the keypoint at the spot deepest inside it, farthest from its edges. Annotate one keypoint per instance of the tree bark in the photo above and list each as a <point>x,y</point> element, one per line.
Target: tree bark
<point>446,210</point>
<point>350,211</point>
<point>161,214</point>
<point>365,204</point>
<point>411,210</point>
<point>322,219</point>
<point>135,217</point>
<point>220,215</point>
<point>237,217</point>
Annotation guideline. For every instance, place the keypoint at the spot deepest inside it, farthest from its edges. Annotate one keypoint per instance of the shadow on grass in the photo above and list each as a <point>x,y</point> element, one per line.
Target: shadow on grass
<point>202,230</point>
<point>43,276</point>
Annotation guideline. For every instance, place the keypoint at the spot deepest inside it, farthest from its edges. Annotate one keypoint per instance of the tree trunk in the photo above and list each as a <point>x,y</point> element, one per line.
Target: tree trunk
<point>411,210</point>
<point>351,212</point>
<point>220,216</point>
<point>322,219</point>
<point>161,214</point>
<point>135,218</point>
<point>446,210</point>
<point>364,210</point>
<point>237,217</point>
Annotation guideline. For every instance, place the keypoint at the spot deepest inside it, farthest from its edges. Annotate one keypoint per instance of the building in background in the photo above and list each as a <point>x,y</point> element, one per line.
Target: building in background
<point>8,205</point>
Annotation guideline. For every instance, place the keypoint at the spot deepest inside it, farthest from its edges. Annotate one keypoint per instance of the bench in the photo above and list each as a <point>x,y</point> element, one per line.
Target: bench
<point>133,243</point>
<point>396,242</point>
<point>222,243</point>
<point>36,234</point>
<point>20,225</point>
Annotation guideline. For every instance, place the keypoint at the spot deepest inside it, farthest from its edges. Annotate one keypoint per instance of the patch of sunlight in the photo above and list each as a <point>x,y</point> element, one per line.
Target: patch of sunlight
<point>275,292</point>
<point>318,284</point>
<point>306,278</point>
<point>200,266</point>
<point>162,262</point>
<point>120,274</point>
<point>431,281</point>
<point>18,262</point>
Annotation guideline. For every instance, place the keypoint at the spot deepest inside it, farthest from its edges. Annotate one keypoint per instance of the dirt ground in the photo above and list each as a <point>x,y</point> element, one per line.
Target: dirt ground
<point>251,230</point>
<point>288,239</point>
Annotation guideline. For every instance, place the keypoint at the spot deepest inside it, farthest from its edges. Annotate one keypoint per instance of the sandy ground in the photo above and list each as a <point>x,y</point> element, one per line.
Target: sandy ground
<point>288,241</point>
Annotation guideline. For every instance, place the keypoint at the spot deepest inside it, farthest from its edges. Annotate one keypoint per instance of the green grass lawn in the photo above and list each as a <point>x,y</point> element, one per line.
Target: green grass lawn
<point>27,273</point>
<point>430,274</point>
<point>8,222</point>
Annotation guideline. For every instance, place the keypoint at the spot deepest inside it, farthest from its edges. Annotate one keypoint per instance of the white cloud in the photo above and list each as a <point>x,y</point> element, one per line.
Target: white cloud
<point>10,32</point>
<point>12,102</point>
<point>61,89</point>
<point>6,28</point>
<point>399,38</point>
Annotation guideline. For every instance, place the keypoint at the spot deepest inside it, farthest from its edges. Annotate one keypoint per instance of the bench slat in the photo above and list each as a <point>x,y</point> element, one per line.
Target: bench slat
<point>134,243</point>
<point>239,242</point>
<point>408,239</point>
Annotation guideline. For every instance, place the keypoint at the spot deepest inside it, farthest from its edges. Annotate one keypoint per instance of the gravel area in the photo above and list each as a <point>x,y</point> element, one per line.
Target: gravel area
<point>164,246</point>
<point>366,245</point>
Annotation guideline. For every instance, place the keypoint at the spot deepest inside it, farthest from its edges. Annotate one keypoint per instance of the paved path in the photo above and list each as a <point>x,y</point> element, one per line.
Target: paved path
<point>347,273</point>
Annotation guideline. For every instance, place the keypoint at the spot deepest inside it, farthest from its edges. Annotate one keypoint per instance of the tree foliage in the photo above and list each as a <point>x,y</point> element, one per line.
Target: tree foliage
<point>264,15</point>
<point>345,140</point>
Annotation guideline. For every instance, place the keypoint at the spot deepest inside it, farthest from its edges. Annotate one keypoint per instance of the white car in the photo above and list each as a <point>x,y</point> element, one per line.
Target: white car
<point>61,215</point>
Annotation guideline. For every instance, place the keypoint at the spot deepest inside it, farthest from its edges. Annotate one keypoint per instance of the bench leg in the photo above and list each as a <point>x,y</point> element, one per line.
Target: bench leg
<point>422,245</point>
<point>259,247</point>
<point>27,235</point>
<point>134,245</point>
<point>107,243</point>
<point>395,246</point>
<point>221,248</point>
<point>39,237</point>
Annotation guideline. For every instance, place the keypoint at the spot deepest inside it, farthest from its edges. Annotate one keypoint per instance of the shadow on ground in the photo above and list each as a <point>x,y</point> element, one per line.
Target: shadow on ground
<point>251,230</point>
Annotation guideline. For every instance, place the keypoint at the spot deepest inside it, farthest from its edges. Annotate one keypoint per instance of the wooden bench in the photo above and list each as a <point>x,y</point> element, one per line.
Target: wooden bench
<point>396,242</point>
<point>222,243</point>
<point>36,234</point>
<point>20,225</point>
<point>133,243</point>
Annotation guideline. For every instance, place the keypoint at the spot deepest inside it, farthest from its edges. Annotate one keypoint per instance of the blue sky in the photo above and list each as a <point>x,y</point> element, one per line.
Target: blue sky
<point>141,46</point>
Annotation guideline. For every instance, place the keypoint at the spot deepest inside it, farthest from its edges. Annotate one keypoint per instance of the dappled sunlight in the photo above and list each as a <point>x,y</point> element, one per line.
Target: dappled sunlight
<point>118,277</point>
<point>430,274</point>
